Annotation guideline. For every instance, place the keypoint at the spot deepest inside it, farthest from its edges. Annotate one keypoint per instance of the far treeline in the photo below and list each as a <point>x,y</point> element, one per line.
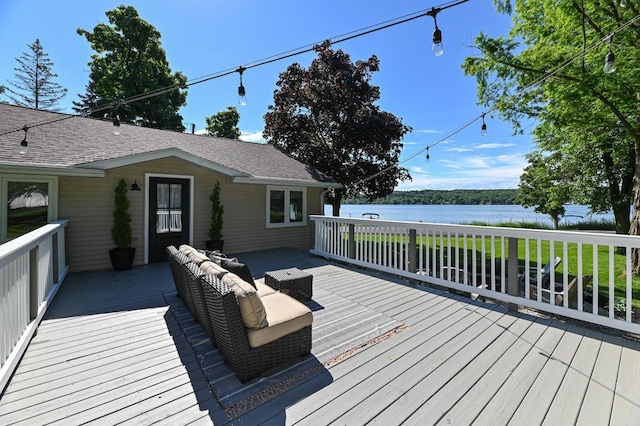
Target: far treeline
<point>455,196</point>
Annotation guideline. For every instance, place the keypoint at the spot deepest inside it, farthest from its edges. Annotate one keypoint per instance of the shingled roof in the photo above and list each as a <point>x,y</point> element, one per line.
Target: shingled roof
<point>69,143</point>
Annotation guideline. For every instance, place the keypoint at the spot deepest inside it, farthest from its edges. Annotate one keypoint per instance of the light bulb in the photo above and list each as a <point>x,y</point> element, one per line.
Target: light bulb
<point>609,63</point>
<point>242,98</point>
<point>437,49</point>
<point>116,125</point>
<point>24,146</point>
<point>483,130</point>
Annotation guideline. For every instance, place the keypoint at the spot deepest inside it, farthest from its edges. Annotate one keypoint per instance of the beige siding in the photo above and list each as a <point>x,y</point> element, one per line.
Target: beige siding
<point>88,203</point>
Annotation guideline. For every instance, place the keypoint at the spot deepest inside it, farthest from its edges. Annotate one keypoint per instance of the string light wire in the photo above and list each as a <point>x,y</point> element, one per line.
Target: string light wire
<point>345,37</point>
<point>260,62</point>
<point>530,86</point>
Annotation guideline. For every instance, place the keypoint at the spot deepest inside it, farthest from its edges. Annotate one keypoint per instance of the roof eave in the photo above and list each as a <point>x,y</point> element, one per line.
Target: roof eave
<point>259,180</point>
<point>158,155</point>
<point>49,170</point>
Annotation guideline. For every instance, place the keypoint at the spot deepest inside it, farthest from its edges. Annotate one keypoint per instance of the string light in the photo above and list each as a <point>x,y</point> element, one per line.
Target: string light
<point>242,95</point>
<point>24,145</point>
<point>437,49</point>
<point>610,59</point>
<point>428,157</point>
<point>288,54</point>
<point>483,128</point>
<point>116,125</point>
<point>278,57</point>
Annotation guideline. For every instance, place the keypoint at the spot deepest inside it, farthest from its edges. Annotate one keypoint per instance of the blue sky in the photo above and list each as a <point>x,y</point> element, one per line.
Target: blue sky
<point>203,37</point>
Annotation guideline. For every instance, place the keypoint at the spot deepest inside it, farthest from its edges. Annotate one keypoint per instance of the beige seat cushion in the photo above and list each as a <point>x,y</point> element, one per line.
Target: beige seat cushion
<point>263,289</point>
<point>210,268</point>
<point>194,255</point>
<point>284,315</point>
<point>252,310</point>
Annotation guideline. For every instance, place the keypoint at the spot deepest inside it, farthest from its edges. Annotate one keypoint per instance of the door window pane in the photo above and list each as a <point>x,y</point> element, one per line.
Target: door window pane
<point>168,208</point>
<point>27,207</point>
<point>175,210</point>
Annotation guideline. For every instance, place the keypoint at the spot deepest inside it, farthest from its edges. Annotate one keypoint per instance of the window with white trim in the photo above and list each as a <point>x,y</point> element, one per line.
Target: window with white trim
<point>286,206</point>
<point>28,203</point>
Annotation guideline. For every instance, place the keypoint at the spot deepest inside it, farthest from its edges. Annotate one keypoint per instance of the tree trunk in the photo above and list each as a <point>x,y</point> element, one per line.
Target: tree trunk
<point>337,201</point>
<point>621,215</point>
<point>635,219</point>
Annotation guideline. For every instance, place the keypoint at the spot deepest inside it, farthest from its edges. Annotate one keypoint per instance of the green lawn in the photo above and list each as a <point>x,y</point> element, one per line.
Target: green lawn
<point>570,260</point>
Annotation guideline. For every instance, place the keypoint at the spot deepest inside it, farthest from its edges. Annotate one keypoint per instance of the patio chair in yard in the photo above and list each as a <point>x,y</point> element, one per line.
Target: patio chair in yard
<point>540,276</point>
<point>558,295</point>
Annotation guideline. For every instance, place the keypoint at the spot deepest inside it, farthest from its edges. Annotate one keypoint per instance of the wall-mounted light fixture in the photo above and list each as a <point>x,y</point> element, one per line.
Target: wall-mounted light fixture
<point>135,186</point>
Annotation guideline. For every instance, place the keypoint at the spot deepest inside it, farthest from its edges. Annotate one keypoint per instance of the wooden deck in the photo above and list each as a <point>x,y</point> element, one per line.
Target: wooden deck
<point>108,352</point>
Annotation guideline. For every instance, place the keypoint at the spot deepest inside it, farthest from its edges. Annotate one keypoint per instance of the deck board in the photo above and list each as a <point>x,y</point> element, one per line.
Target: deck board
<point>568,400</point>
<point>443,399</point>
<point>535,404</point>
<point>626,403</point>
<point>480,393</point>
<point>110,352</point>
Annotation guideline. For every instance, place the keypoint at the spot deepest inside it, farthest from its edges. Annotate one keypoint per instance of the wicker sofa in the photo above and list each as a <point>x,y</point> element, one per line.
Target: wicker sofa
<point>253,326</point>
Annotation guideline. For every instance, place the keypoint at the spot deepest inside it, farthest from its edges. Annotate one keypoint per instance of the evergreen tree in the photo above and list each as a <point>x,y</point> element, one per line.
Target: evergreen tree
<point>33,86</point>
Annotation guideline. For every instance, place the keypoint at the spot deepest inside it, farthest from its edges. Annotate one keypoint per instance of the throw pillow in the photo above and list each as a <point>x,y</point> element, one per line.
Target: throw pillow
<point>252,309</point>
<point>193,254</point>
<point>218,257</point>
<point>240,269</point>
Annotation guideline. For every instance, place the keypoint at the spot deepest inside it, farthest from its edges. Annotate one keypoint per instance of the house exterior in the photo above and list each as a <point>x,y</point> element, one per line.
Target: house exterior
<point>71,166</point>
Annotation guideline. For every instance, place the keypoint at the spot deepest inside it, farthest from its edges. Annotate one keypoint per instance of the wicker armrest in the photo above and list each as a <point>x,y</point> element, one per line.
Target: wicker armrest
<point>193,273</point>
<point>177,262</point>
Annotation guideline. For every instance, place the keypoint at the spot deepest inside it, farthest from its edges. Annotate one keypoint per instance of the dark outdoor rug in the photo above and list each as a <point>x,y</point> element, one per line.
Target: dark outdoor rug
<point>340,328</point>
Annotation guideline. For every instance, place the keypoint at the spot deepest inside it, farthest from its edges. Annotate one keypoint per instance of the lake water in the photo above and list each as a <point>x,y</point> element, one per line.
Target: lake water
<point>463,213</point>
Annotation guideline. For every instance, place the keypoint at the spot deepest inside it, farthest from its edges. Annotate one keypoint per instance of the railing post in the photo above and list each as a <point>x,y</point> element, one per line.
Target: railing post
<point>352,241</point>
<point>512,271</point>
<point>56,259</point>
<point>412,247</point>
<point>34,303</point>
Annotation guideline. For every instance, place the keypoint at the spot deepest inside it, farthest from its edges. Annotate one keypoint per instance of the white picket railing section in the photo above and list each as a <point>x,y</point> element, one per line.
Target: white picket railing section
<point>32,267</point>
<point>478,259</point>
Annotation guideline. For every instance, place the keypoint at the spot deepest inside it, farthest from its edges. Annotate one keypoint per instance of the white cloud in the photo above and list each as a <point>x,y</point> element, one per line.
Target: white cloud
<point>253,136</point>
<point>429,131</point>
<point>494,145</point>
<point>467,172</point>
<point>468,148</point>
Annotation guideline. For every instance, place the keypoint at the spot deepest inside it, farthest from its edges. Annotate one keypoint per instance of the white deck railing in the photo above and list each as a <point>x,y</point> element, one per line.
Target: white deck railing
<point>478,259</point>
<point>32,267</point>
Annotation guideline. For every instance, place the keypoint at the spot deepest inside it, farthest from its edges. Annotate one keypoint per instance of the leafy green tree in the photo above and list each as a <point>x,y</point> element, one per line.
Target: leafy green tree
<point>33,86</point>
<point>550,68</point>
<point>326,116</point>
<point>130,62</point>
<point>224,124</point>
<point>543,186</point>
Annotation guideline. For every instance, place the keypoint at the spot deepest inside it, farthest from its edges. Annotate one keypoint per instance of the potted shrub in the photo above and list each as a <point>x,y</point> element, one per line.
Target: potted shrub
<point>122,255</point>
<point>215,241</point>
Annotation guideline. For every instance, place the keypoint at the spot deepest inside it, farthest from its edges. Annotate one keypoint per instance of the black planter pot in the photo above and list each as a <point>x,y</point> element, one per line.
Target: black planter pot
<point>122,258</point>
<point>213,245</point>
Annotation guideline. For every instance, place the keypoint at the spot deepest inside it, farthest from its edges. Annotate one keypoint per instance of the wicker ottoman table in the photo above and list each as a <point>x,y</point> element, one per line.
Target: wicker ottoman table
<point>293,281</point>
